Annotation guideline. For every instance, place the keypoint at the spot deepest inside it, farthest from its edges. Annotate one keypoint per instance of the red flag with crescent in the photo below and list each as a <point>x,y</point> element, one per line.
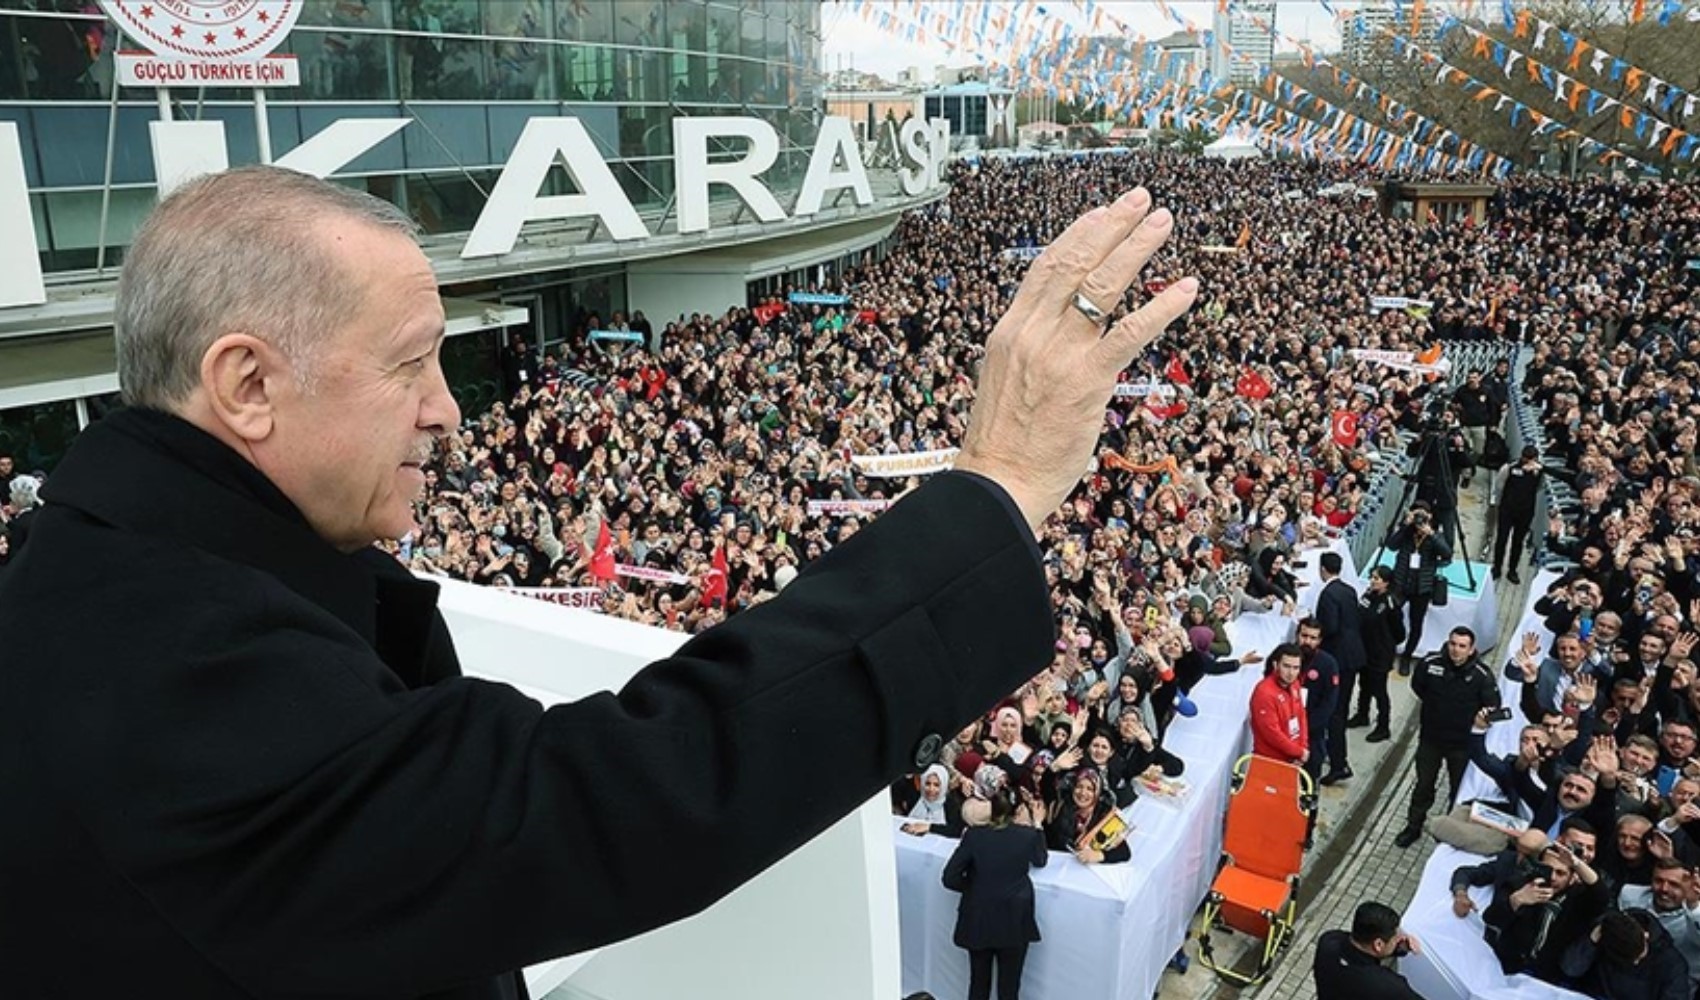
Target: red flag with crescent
<point>714,581</point>
<point>602,560</point>
<point>1252,385</point>
<point>1345,428</point>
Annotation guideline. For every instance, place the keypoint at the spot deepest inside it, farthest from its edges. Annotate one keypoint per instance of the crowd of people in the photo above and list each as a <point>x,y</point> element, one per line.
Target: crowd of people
<point>690,472</point>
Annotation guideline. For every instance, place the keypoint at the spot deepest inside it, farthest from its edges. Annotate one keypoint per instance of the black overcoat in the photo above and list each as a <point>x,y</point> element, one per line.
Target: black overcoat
<point>235,762</point>
<point>989,868</point>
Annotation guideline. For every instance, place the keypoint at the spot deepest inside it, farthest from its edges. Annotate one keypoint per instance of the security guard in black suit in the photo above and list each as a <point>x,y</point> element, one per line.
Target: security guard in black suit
<point>1354,966</point>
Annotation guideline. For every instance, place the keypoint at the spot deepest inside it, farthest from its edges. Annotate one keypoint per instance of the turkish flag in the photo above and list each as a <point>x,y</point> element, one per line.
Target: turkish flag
<point>1176,372</point>
<point>1169,412</point>
<point>602,560</point>
<point>1345,427</point>
<point>1156,286</point>
<point>766,312</point>
<point>714,581</point>
<point>1252,385</point>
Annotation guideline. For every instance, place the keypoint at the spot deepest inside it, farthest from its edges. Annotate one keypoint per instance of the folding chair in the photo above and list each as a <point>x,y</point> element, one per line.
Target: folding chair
<point>1257,886</point>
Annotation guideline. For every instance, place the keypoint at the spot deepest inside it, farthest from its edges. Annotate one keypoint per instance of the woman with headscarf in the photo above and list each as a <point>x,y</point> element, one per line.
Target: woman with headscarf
<point>995,921</point>
<point>1269,577</point>
<point>1137,751</point>
<point>1080,808</point>
<point>1198,616</point>
<point>938,809</point>
<point>1005,746</point>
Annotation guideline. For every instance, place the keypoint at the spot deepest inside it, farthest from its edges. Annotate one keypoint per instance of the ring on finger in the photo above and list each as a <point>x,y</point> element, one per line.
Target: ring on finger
<point>1089,309</point>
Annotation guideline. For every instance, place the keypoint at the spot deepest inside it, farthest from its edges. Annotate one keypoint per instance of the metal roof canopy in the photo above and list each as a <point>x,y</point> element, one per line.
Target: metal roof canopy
<point>36,370</point>
<point>779,255</point>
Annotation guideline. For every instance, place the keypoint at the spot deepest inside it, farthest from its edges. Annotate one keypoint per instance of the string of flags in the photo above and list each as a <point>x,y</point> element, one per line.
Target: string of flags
<point>1029,44</point>
<point>1427,135</point>
<point>1582,99</point>
<point>1516,111</point>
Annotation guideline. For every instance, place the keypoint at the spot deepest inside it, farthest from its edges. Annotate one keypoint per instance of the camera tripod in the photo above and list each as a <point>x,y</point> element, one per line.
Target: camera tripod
<point>1431,444</point>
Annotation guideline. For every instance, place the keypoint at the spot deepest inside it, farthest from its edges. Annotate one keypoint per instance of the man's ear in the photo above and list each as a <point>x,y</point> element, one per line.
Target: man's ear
<point>241,376</point>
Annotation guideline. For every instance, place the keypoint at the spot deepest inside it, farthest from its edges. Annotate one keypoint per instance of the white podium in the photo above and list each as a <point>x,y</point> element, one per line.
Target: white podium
<point>821,923</point>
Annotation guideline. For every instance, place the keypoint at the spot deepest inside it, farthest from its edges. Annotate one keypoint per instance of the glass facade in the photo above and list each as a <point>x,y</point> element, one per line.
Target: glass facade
<point>470,72</point>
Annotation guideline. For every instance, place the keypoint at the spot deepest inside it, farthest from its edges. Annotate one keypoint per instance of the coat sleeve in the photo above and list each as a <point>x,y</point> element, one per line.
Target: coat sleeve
<point>1328,612</point>
<point>960,868</point>
<point>312,826</point>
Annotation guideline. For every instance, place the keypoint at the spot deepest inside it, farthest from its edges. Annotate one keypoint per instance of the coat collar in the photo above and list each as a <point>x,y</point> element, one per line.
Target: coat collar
<point>156,474</point>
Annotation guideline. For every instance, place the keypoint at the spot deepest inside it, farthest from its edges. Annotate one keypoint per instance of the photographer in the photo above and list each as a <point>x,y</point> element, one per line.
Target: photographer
<point>1354,966</point>
<point>1418,551</point>
<point>1443,455</point>
<point>1555,902</point>
<point>1627,954</point>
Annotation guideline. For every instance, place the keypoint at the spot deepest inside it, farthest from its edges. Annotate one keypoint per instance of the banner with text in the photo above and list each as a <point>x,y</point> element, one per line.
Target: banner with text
<point>651,574</point>
<point>587,598</point>
<point>918,463</point>
<point>144,69</point>
<point>839,508</point>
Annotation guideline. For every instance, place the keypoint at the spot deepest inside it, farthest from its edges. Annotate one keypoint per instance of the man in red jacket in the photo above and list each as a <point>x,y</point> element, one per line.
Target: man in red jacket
<point>1279,729</point>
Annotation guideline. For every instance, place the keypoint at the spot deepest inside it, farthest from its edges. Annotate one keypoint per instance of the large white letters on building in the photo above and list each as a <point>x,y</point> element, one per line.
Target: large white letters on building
<point>184,150</point>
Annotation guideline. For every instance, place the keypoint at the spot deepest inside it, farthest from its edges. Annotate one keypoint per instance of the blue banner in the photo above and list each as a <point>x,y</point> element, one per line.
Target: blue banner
<point>817,299</point>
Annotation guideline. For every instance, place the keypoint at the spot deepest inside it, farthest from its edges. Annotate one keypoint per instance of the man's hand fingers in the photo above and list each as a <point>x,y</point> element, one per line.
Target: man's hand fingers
<point>1057,274</point>
<point>1137,330</point>
<point>1109,281</point>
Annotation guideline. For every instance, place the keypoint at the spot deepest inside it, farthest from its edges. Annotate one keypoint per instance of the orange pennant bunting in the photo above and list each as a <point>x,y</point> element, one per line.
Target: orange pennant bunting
<point>1575,63</point>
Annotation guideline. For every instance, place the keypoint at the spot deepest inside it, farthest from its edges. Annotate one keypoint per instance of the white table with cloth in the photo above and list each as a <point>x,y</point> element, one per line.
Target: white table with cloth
<point>1108,929</point>
<point>1455,962</point>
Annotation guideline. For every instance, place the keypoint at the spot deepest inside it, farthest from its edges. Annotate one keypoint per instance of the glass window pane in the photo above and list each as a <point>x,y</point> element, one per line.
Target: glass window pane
<point>724,34</point>
<point>432,67</point>
<point>343,65</point>
<point>37,436</point>
<point>56,58</point>
<point>519,70</point>
<point>585,20</point>
<point>640,22</point>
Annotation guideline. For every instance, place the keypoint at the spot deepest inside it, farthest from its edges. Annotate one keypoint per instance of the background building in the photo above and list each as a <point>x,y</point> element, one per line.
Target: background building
<point>469,74</point>
<point>1180,55</point>
<point>1364,39</point>
<point>1247,38</point>
<point>869,109</point>
<point>981,113</point>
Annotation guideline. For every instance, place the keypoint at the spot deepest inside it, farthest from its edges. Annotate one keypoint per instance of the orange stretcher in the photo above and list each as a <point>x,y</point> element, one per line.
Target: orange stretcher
<point>1257,886</point>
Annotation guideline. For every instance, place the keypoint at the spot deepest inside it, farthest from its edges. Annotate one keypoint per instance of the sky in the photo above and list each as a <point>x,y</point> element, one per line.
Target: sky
<point>849,39</point>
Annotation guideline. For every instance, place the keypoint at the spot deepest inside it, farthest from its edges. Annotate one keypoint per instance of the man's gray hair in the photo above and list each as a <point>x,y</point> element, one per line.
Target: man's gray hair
<point>237,251</point>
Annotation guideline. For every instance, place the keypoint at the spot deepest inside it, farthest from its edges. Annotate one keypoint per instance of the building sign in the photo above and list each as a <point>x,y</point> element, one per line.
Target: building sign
<point>184,150</point>
<point>205,43</point>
